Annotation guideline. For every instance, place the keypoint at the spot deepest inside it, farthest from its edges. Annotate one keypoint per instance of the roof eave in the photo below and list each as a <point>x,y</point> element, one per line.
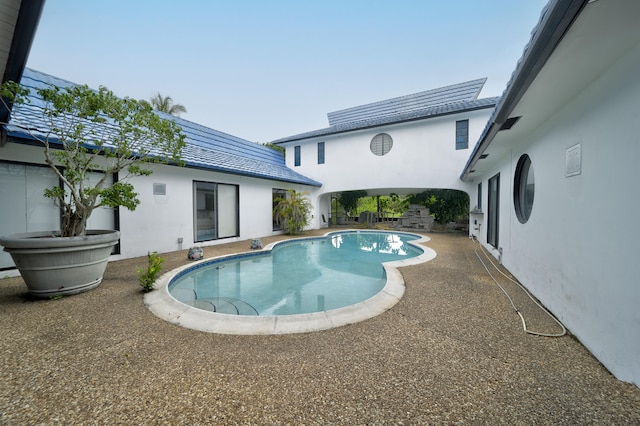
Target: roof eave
<point>308,182</point>
<point>553,25</point>
<point>24,137</point>
<point>23,35</point>
<point>329,132</point>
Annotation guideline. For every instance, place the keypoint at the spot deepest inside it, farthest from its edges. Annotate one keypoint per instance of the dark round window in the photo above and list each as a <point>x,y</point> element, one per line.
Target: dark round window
<point>523,189</point>
<point>381,144</point>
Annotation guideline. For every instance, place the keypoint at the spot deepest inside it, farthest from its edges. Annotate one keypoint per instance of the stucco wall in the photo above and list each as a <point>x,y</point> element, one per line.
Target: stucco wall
<point>160,220</point>
<point>423,156</point>
<point>578,253</point>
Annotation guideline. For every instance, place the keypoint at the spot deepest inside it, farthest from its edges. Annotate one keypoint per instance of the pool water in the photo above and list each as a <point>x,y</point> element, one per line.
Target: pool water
<point>297,276</point>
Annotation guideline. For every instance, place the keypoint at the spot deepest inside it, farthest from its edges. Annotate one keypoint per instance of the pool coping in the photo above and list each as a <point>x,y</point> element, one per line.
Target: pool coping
<point>163,305</point>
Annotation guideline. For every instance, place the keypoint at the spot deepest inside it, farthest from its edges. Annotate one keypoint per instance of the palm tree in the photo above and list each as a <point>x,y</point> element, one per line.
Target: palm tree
<point>165,104</point>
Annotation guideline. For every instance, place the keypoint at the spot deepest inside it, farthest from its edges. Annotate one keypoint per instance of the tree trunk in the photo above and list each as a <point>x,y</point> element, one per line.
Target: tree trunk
<point>74,224</point>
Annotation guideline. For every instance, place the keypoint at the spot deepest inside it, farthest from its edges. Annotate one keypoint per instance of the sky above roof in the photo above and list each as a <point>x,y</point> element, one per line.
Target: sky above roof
<point>263,70</point>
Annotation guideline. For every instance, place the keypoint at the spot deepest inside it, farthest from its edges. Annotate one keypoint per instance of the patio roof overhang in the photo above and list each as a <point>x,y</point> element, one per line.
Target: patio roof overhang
<point>20,19</point>
<point>555,21</point>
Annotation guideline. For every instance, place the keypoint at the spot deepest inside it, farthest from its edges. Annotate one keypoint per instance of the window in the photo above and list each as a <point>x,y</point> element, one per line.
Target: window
<point>278,194</point>
<point>228,211</point>
<point>103,217</point>
<point>320,152</point>
<point>215,211</point>
<point>493,214</point>
<point>24,208</point>
<point>381,144</point>
<point>296,155</point>
<point>479,202</point>
<point>523,189</point>
<point>462,134</point>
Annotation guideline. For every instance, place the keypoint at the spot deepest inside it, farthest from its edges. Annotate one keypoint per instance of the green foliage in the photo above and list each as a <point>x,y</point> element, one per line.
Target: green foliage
<point>349,200</point>
<point>11,91</point>
<point>292,212</point>
<point>446,205</point>
<point>366,204</point>
<point>275,147</point>
<point>395,204</point>
<point>165,104</point>
<point>147,277</point>
<point>392,205</point>
<point>98,132</point>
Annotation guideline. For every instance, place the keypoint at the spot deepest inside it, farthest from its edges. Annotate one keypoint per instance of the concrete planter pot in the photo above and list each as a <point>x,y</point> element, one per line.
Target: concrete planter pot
<point>59,266</point>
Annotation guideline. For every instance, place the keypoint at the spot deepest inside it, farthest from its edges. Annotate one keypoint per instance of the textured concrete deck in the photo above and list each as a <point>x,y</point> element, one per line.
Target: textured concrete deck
<point>452,350</point>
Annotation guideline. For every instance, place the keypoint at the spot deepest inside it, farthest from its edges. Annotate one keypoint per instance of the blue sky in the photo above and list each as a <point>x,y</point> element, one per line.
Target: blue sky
<point>262,70</point>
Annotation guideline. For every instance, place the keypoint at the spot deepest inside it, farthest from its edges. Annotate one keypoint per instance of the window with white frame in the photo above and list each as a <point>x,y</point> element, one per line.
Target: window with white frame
<point>381,144</point>
<point>296,155</point>
<point>215,207</point>
<point>320,152</point>
<point>523,189</point>
<point>462,134</point>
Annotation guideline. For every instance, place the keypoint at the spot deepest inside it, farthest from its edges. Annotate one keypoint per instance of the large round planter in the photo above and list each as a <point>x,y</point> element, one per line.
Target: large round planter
<point>56,266</point>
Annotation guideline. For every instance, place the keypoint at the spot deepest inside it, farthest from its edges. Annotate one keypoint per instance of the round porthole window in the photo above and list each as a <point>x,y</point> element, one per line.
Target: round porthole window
<point>381,144</point>
<point>524,188</point>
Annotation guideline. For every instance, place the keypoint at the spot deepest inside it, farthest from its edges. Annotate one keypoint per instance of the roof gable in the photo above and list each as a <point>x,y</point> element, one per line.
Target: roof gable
<point>206,148</point>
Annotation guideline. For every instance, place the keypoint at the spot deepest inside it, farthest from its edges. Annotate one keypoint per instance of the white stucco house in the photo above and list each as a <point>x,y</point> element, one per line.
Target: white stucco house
<point>224,193</point>
<point>551,177</point>
<point>402,145</point>
<point>554,173</point>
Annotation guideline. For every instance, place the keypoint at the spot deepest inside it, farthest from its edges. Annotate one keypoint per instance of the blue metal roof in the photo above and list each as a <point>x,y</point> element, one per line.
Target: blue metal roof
<point>375,121</point>
<point>456,93</point>
<point>206,148</point>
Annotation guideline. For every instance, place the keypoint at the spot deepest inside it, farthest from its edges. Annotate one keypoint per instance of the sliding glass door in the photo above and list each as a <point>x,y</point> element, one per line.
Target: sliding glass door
<point>493,211</point>
<point>215,211</point>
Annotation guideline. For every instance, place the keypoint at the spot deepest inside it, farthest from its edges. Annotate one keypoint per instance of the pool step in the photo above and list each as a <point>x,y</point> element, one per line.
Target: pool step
<point>221,305</point>
<point>225,305</point>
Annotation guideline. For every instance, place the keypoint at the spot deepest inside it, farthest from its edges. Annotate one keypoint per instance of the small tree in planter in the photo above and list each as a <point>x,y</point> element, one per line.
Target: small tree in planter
<point>89,131</point>
<point>292,211</point>
<point>84,131</point>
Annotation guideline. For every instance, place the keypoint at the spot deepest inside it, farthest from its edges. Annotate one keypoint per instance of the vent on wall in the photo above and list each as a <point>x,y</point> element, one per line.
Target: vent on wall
<point>159,189</point>
<point>573,161</point>
<point>511,121</point>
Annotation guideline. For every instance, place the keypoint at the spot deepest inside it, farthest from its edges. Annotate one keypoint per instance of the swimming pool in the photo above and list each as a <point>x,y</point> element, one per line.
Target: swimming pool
<point>298,285</point>
<point>296,277</point>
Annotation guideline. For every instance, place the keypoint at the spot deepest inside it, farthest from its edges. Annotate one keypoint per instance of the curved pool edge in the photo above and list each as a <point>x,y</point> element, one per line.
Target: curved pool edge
<point>163,305</point>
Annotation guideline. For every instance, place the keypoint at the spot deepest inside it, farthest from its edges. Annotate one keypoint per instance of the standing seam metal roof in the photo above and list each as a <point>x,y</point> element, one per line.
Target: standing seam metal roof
<point>420,114</point>
<point>462,92</point>
<point>205,148</point>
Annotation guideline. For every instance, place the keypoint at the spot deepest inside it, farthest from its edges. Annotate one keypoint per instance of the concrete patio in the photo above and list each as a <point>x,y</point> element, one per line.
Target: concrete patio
<point>451,351</point>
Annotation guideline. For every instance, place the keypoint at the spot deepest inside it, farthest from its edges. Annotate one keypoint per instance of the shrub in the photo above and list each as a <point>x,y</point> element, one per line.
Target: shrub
<point>147,277</point>
<point>292,211</point>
